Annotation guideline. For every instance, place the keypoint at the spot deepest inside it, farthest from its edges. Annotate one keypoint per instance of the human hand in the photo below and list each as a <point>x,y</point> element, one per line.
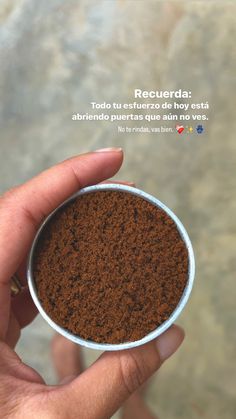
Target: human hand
<point>102,388</point>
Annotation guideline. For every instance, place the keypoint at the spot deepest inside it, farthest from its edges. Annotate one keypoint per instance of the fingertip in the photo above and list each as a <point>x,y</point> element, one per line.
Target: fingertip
<point>96,166</point>
<point>114,152</point>
<point>168,343</point>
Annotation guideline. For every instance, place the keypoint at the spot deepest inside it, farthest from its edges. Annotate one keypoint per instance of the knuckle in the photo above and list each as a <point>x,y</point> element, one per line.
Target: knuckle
<point>133,371</point>
<point>30,218</point>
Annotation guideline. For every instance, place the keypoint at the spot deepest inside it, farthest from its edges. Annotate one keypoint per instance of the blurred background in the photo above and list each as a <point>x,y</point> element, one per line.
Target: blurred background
<point>57,56</point>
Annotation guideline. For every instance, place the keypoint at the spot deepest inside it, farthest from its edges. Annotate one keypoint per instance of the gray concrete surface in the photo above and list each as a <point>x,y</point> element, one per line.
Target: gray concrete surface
<point>57,56</point>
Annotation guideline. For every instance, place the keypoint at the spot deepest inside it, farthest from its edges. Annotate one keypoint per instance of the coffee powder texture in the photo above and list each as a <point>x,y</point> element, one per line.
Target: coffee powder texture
<point>110,267</point>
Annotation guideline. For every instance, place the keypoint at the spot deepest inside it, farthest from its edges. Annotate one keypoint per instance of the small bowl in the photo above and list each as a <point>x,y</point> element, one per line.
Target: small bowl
<point>160,329</point>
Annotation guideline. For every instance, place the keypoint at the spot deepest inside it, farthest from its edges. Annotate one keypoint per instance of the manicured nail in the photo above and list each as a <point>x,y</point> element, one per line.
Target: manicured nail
<point>169,342</point>
<point>109,149</point>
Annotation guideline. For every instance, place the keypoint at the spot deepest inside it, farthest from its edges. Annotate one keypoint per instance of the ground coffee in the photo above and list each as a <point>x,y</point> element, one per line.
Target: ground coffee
<point>110,267</point>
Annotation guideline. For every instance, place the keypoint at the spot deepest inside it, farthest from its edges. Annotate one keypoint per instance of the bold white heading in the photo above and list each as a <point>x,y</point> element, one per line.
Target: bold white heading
<point>159,94</point>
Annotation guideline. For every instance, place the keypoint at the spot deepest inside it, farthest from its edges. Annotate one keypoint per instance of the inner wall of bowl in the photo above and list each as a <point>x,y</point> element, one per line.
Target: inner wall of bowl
<point>182,302</point>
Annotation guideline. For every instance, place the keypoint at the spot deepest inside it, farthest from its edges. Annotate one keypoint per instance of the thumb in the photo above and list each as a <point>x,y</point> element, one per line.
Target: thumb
<point>103,387</point>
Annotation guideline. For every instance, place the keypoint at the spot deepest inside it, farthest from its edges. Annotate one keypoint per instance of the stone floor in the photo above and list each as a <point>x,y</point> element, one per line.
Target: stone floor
<point>56,57</point>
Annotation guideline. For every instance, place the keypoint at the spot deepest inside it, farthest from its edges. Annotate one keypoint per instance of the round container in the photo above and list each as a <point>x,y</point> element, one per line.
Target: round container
<point>160,329</point>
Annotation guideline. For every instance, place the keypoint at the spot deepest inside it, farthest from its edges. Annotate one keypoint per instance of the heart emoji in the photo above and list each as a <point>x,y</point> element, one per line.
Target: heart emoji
<point>179,128</point>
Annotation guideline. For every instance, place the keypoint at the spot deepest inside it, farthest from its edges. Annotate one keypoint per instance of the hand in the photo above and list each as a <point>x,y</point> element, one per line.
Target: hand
<point>102,388</point>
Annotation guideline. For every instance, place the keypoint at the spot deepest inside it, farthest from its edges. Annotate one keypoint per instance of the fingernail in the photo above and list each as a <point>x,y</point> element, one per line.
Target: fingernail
<point>109,149</point>
<point>169,342</point>
<point>129,183</point>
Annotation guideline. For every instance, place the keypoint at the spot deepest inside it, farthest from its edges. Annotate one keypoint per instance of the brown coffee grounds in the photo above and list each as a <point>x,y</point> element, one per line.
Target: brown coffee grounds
<point>110,267</point>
